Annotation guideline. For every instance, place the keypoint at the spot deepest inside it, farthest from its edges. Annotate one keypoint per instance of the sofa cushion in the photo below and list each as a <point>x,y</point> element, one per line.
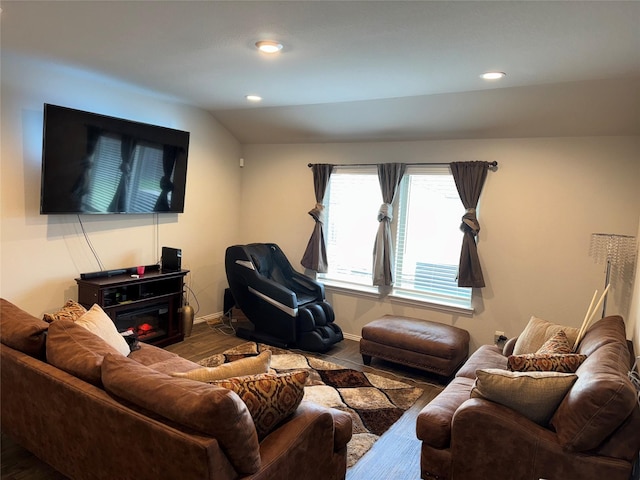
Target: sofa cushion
<point>245,366</point>
<point>600,401</point>
<point>558,343</point>
<point>546,362</point>
<point>206,408</point>
<point>535,395</point>
<point>174,365</point>
<point>537,332</point>
<point>150,354</point>
<point>270,397</point>
<point>71,310</point>
<point>74,349</point>
<point>99,323</point>
<point>22,331</point>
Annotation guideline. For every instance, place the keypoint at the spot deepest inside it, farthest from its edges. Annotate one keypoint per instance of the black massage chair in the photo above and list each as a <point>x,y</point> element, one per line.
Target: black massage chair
<point>286,308</point>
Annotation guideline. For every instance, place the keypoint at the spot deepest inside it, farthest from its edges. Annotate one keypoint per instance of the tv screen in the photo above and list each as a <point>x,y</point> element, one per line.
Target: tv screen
<point>96,164</point>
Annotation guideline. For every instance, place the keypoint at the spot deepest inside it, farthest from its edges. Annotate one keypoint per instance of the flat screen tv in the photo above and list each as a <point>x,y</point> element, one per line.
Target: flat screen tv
<point>96,164</point>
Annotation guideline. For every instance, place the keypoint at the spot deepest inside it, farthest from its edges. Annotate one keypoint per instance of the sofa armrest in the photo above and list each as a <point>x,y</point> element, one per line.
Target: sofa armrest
<point>486,437</point>
<point>269,291</point>
<point>313,428</point>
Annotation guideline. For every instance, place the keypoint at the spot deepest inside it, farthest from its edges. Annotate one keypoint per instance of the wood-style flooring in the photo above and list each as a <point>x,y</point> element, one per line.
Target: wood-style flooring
<point>396,455</point>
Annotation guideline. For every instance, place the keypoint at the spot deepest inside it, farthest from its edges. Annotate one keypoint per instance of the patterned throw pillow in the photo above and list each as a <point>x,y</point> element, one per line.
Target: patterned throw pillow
<point>535,395</point>
<point>270,397</point>
<point>72,310</point>
<point>245,366</point>
<point>559,343</point>
<point>546,362</point>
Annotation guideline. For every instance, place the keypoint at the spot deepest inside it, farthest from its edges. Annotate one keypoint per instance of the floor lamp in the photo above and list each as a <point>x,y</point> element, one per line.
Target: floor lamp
<point>618,252</point>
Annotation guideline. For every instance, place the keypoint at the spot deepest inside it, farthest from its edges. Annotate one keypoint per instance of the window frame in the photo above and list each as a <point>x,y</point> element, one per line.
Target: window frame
<point>395,294</point>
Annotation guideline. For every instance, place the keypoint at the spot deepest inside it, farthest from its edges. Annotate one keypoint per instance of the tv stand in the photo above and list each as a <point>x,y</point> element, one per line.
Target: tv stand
<point>149,305</point>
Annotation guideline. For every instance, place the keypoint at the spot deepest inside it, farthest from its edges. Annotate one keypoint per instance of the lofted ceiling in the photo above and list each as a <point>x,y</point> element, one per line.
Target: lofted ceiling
<point>358,70</point>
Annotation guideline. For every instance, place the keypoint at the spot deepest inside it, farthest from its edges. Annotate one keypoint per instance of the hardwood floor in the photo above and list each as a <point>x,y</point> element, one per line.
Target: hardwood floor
<point>396,455</point>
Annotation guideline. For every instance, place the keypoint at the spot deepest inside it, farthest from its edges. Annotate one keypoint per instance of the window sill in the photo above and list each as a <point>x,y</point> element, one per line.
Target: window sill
<point>396,297</point>
<point>431,304</point>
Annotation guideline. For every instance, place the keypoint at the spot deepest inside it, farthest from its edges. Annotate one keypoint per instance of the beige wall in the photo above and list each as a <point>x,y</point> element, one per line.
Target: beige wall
<point>537,213</point>
<point>633,324</point>
<point>41,255</point>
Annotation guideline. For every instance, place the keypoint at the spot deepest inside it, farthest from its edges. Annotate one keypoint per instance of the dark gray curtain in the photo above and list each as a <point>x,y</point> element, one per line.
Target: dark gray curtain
<point>119,202</point>
<point>315,256</point>
<point>469,178</point>
<point>169,155</point>
<point>389,176</point>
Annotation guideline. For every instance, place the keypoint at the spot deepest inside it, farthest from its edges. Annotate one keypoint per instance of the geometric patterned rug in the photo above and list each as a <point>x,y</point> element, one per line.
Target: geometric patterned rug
<point>374,402</point>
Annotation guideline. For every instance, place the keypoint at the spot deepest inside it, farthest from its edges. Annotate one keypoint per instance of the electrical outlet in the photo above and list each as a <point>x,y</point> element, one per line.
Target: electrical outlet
<point>497,337</point>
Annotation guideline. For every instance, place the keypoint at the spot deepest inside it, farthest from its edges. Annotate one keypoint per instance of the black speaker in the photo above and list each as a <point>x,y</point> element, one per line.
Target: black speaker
<point>171,259</point>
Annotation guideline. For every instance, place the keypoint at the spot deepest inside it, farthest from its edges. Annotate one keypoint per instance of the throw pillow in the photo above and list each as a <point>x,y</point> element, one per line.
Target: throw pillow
<point>546,362</point>
<point>71,310</point>
<point>270,397</point>
<point>558,343</point>
<point>22,331</point>
<point>535,395</point>
<point>537,332</point>
<point>238,368</point>
<point>99,323</point>
<point>74,349</point>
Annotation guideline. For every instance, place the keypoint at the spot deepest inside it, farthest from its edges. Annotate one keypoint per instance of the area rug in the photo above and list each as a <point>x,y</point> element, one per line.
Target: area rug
<point>373,401</point>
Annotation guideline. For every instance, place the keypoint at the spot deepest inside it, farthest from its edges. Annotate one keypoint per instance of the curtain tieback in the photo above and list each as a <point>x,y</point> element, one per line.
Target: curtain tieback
<point>385,212</point>
<point>470,221</point>
<point>318,213</point>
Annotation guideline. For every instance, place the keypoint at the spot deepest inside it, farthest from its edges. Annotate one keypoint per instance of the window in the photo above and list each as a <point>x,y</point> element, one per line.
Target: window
<point>426,230</point>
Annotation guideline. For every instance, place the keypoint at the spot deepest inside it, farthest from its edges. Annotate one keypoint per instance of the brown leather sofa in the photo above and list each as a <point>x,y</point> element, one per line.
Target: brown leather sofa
<point>594,433</point>
<point>82,429</point>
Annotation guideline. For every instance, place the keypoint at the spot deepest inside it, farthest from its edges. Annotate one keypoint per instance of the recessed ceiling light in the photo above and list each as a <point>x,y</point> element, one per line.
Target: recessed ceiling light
<point>253,98</point>
<point>268,46</point>
<point>493,75</point>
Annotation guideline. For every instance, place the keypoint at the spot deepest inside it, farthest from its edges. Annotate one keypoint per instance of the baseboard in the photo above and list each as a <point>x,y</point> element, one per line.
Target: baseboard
<point>212,317</point>
<point>350,336</point>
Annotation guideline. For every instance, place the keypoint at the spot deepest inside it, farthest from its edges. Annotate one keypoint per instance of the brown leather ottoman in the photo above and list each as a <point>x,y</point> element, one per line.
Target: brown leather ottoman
<point>430,346</point>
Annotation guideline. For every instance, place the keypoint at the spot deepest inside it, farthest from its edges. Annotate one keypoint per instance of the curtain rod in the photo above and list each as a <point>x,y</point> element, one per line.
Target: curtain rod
<point>491,164</point>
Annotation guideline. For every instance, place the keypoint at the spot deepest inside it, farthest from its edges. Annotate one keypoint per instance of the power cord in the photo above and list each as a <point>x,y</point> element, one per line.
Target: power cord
<point>224,328</point>
<point>86,237</point>
<point>187,287</point>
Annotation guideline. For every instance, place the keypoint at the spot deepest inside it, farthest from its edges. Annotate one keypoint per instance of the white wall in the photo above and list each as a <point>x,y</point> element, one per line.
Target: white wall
<point>42,254</point>
<point>537,213</point>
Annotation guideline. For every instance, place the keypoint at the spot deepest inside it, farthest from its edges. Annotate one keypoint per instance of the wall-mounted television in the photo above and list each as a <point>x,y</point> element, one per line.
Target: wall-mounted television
<point>97,164</point>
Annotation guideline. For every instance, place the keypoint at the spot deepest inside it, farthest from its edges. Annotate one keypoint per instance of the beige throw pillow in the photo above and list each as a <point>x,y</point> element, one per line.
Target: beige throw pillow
<point>535,395</point>
<point>99,323</point>
<point>537,332</point>
<point>238,368</point>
